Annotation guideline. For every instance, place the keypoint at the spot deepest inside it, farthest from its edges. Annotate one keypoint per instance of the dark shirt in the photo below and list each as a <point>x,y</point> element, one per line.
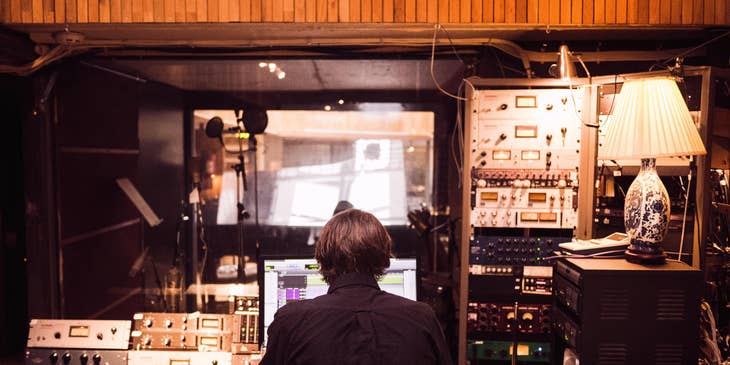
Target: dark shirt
<point>356,323</point>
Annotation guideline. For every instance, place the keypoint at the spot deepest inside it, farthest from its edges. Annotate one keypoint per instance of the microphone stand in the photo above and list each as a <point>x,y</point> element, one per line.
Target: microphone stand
<point>241,212</point>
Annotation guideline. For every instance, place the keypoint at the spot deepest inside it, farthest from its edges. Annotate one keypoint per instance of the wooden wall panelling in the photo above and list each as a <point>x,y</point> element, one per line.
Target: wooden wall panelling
<point>465,11</point>
<point>543,15</point>
<point>105,12</point>
<point>60,11</point>
<point>399,11</point>
<point>278,10</point>
<point>632,11</point>
<point>331,10</point>
<point>432,11</point>
<point>687,11</point>
<point>15,11</point>
<point>409,10</point>
<point>622,8</point>
<point>26,11</point>
<point>223,10</point>
<point>675,12</point>
<point>499,13</point>
<point>137,10</point>
<point>355,11</point>
<point>204,10</point>
<point>244,10</point>
<point>643,11</point>
<point>343,11</point>
<point>310,11</point>
<point>48,11</point>
<point>709,12</point>
<point>443,11</point>
<point>267,11</point>
<point>510,13</point>
<point>71,14</point>
<point>554,12</point>
<point>720,9</point>
<point>521,11</point>
<point>588,12</point>
<point>697,12</point>
<point>421,11</point>
<point>454,11</point>
<point>488,11</point>
<point>234,10</point>
<point>179,11</point>
<point>5,16</point>
<point>212,13</point>
<point>610,11</point>
<point>300,11</point>
<point>93,10</point>
<point>37,16</point>
<point>321,10</point>
<point>532,9</point>
<point>476,11</point>
<point>255,11</point>
<point>576,10</point>
<point>665,9</point>
<point>387,11</point>
<point>565,12</point>
<point>599,11</point>
<point>158,10</point>
<point>148,9</point>
<point>367,11</point>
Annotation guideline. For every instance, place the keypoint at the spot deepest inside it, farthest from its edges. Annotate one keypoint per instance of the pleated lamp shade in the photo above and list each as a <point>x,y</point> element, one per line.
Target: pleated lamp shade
<point>650,119</point>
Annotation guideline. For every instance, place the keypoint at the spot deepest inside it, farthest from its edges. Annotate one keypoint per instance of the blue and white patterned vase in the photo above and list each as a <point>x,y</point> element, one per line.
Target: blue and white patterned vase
<point>646,215</point>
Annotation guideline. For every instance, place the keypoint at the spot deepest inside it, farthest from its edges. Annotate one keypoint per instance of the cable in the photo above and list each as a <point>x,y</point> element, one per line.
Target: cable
<point>433,55</point>
<point>684,216</point>
<point>681,55</point>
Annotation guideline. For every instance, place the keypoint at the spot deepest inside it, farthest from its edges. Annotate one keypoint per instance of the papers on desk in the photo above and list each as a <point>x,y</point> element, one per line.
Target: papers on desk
<point>614,241</point>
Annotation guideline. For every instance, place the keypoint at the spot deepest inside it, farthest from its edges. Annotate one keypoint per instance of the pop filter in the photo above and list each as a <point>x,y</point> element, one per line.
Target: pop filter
<point>214,127</point>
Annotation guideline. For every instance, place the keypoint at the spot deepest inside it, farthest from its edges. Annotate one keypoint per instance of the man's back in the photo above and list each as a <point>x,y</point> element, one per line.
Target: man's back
<point>356,323</point>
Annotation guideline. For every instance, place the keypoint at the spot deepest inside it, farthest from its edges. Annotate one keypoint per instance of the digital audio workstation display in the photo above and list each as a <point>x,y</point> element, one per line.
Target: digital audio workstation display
<point>288,280</point>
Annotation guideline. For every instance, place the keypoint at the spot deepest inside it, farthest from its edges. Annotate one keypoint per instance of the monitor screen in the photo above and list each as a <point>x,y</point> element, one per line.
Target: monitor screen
<point>288,280</point>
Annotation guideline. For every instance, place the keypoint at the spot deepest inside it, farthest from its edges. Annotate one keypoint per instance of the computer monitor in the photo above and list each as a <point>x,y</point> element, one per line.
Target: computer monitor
<point>286,280</point>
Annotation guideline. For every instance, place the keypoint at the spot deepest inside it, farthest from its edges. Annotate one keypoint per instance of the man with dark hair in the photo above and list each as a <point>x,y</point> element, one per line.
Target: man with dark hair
<point>355,322</point>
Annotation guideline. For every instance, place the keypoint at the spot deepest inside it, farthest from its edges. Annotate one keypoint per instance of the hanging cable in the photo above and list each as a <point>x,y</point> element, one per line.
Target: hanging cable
<point>433,76</point>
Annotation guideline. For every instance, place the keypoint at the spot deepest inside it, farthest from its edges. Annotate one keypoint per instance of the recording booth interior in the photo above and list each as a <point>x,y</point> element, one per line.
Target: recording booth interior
<point>160,203</point>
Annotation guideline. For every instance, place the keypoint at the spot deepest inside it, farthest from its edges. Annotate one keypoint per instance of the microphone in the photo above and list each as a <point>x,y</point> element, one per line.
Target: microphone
<point>215,129</point>
<point>138,263</point>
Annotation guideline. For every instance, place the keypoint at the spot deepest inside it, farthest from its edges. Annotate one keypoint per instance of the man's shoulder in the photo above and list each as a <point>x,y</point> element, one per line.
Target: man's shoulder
<point>406,304</point>
<point>295,308</point>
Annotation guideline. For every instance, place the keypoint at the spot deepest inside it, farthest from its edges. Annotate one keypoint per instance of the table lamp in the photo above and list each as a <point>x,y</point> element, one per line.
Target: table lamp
<point>650,120</point>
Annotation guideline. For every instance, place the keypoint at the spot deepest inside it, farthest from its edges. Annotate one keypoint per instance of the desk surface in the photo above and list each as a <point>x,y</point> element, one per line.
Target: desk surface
<point>623,265</point>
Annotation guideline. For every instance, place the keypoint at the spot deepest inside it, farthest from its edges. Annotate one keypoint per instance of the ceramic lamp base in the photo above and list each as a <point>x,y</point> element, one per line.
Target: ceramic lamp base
<point>646,215</point>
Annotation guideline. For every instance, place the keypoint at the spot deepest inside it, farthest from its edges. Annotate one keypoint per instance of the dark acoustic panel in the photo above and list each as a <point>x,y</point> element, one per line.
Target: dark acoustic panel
<point>96,275</point>
<point>96,109</point>
<point>89,198</point>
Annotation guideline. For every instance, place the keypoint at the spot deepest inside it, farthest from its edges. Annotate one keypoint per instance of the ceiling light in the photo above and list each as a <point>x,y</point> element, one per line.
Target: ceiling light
<point>272,67</point>
<point>263,64</point>
<point>327,107</point>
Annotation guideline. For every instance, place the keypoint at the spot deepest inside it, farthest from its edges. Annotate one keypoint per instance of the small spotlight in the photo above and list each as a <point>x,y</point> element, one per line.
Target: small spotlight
<point>263,64</point>
<point>327,107</point>
<point>410,149</point>
<point>280,75</point>
<point>272,67</point>
<point>340,101</point>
